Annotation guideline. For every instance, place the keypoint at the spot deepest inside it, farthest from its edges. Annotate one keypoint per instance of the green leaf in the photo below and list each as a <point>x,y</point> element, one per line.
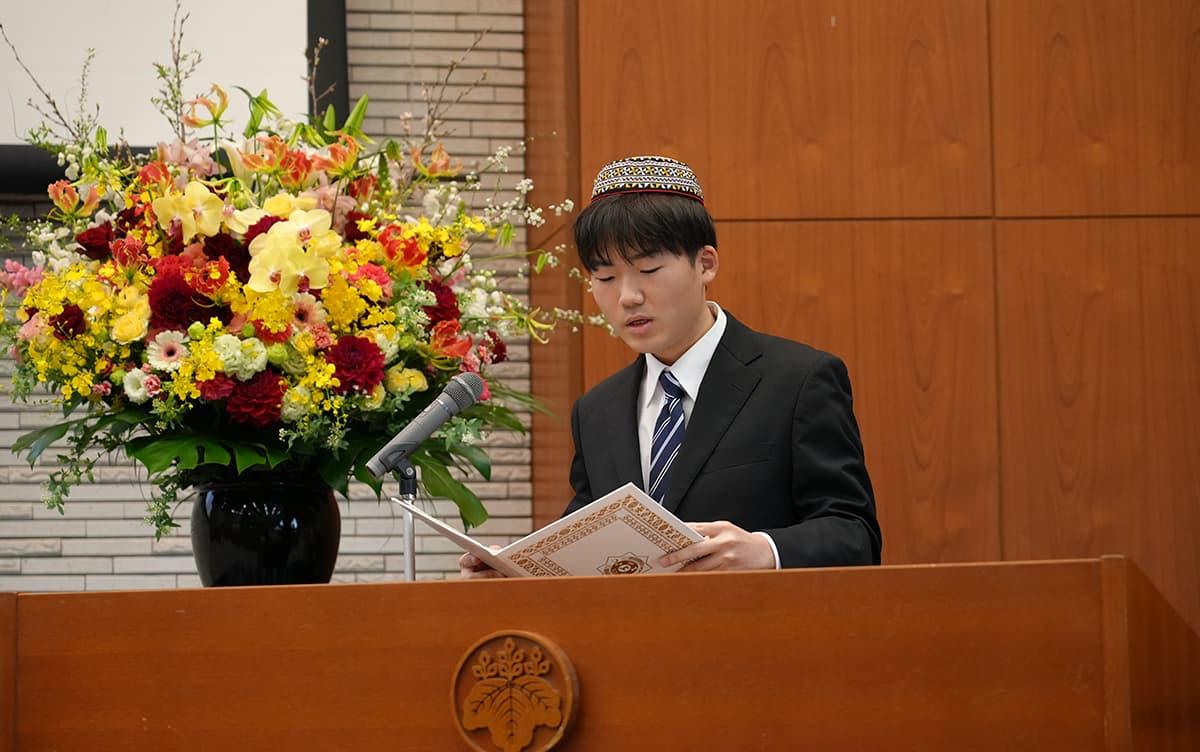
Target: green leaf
<point>366,476</point>
<point>247,456</point>
<point>329,122</point>
<point>476,456</point>
<point>355,118</point>
<point>276,455</point>
<point>333,469</point>
<point>504,235</point>
<point>495,416</point>
<point>37,441</point>
<point>437,482</point>
<point>158,453</point>
<point>213,453</point>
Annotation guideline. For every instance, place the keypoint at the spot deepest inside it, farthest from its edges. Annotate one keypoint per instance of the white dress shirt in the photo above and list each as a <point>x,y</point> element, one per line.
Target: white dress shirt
<point>689,371</point>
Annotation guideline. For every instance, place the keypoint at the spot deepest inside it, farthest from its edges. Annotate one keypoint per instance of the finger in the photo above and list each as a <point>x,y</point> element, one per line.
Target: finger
<point>694,551</point>
<point>479,574</point>
<point>709,563</point>
<point>709,529</point>
<point>468,561</point>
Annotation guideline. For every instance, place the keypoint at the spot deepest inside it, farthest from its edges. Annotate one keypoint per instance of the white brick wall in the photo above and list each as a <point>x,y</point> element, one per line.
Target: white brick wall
<point>395,47</point>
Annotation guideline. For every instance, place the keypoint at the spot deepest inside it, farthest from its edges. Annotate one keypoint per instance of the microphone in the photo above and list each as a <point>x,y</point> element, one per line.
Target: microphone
<point>463,391</point>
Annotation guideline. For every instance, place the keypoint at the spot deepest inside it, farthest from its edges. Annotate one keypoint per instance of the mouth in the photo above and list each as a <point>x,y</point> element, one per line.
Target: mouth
<point>637,324</point>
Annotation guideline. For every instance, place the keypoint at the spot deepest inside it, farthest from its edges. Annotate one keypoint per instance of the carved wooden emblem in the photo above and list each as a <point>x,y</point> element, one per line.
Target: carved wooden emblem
<point>514,691</point>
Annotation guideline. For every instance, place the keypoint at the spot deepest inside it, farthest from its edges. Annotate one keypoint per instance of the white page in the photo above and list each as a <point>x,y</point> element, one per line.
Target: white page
<point>623,532</point>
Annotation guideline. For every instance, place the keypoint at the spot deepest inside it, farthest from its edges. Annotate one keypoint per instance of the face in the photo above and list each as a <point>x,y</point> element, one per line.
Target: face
<point>656,304</point>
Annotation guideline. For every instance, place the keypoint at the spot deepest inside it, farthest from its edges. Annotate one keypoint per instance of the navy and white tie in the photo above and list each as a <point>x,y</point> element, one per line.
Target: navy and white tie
<point>668,436</point>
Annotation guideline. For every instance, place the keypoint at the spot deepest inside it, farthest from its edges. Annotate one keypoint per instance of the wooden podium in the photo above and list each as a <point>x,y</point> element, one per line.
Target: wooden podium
<point>1065,655</point>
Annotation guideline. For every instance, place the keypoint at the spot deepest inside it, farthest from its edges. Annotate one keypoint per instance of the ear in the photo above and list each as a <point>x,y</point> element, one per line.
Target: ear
<point>708,262</point>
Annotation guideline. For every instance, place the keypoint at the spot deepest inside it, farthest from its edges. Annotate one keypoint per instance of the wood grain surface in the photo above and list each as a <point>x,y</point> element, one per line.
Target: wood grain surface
<point>845,108</point>
<point>8,671</point>
<point>1097,106</point>
<point>1098,343</point>
<point>552,135</point>
<point>984,657</point>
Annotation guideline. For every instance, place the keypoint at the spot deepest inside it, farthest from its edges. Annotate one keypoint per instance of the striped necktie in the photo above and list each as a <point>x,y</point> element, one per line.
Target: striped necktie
<point>668,436</point>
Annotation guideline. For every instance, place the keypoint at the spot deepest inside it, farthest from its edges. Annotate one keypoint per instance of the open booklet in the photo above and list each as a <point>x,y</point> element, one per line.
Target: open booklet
<point>624,532</point>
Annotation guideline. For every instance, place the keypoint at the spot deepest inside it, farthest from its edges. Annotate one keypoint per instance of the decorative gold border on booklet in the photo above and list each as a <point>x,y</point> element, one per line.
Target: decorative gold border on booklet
<point>536,558</point>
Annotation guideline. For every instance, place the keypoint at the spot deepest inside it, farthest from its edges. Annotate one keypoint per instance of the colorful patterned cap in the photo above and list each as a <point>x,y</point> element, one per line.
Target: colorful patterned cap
<point>648,174</point>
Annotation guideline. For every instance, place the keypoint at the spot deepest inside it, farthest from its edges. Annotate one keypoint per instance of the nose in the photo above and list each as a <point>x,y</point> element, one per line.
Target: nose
<point>631,291</point>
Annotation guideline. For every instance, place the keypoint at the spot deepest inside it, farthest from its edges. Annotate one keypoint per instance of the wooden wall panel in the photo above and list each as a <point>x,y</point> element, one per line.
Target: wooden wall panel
<point>1097,106</point>
<point>909,306</point>
<point>1099,347</point>
<point>839,108</point>
<point>8,671</point>
<point>552,135</point>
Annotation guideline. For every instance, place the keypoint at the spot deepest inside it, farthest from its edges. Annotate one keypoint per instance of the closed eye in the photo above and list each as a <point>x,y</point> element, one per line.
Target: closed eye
<point>651,271</point>
<point>602,279</point>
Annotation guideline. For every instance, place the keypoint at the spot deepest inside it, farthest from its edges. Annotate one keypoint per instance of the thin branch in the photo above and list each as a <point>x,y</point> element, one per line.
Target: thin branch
<point>55,114</point>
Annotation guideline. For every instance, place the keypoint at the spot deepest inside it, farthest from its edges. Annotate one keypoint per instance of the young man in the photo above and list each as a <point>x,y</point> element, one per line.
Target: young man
<point>749,438</point>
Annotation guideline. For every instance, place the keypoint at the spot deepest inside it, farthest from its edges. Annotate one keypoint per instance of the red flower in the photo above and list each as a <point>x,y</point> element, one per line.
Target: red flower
<point>271,337</point>
<point>70,323</point>
<point>223,245</point>
<point>363,188</point>
<point>258,228</point>
<point>256,402</point>
<point>173,302</point>
<point>218,387</point>
<point>128,251</point>
<point>404,251</point>
<point>352,233</point>
<point>447,339</point>
<point>95,241</point>
<point>447,304</point>
<point>359,363</point>
<point>499,348</point>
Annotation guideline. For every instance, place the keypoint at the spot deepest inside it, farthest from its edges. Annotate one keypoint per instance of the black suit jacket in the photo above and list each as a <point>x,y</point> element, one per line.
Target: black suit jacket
<point>772,445</point>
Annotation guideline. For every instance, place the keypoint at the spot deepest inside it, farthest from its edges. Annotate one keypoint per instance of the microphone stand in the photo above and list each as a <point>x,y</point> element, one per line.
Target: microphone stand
<point>408,492</point>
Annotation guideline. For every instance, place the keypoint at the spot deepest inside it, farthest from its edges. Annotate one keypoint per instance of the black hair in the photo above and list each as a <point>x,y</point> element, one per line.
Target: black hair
<point>635,225</point>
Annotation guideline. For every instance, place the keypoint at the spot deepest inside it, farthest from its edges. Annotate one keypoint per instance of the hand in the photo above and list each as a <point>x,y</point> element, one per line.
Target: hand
<point>471,568</point>
<point>725,547</point>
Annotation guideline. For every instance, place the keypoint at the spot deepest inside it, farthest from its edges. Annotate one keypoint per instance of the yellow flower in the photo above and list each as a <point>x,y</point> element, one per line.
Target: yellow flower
<point>198,209</point>
<point>399,379</point>
<point>131,327</point>
<point>283,204</point>
<point>374,400</point>
<point>243,219</point>
<point>278,262</point>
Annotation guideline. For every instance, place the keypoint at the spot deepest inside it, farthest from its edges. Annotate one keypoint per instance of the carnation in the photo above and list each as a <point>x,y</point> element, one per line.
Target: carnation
<point>241,358</point>
<point>94,241</point>
<point>446,308</point>
<point>359,363</point>
<point>70,323</point>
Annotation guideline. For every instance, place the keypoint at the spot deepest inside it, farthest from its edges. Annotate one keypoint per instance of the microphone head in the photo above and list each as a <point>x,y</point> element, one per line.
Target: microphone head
<point>464,390</point>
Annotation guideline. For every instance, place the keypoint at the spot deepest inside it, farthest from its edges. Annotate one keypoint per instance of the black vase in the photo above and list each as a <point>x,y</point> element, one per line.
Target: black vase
<point>265,532</point>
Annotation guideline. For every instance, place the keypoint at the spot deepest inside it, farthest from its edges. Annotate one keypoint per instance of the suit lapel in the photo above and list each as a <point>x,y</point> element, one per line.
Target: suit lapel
<point>727,385</point>
<point>621,420</point>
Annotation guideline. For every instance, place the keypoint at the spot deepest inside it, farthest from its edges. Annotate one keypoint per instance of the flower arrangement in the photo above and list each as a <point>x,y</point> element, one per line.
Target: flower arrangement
<point>285,299</point>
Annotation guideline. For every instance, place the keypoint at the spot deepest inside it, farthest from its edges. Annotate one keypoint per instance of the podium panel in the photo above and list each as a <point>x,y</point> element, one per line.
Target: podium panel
<point>1076,655</point>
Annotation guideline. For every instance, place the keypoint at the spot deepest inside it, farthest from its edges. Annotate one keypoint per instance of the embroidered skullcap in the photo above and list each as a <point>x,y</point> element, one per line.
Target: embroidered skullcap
<point>647,174</point>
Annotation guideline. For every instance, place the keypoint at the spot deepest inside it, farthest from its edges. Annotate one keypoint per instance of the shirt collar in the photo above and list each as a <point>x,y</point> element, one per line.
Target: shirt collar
<point>689,369</point>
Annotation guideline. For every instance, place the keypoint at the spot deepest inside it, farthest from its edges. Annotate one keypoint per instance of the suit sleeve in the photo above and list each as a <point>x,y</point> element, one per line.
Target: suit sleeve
<point>830,487</point>
<point>579,477</point>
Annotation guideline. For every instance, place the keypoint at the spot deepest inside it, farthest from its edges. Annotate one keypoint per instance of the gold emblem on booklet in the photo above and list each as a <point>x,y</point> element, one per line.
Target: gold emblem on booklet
<point>514,691</point>
<point>625,564</point>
